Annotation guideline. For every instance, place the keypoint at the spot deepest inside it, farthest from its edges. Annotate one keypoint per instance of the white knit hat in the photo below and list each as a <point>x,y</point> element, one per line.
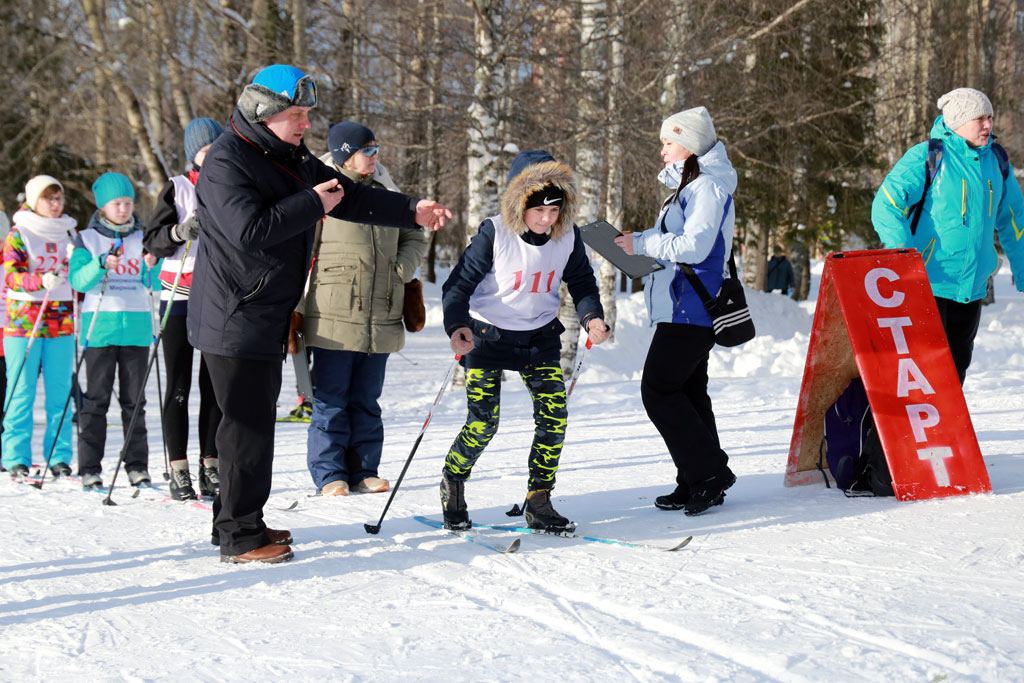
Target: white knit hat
<point>962,105</point>
<point>35,187</point>
<point>692,129</point>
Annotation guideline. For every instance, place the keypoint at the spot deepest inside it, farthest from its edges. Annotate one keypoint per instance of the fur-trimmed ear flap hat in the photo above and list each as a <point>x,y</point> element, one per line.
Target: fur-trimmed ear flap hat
<point>533,177</point>
<point>273,90</point>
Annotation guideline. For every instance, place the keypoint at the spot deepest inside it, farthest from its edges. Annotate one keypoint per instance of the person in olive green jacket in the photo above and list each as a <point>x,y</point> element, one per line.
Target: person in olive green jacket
<point>352,320</point>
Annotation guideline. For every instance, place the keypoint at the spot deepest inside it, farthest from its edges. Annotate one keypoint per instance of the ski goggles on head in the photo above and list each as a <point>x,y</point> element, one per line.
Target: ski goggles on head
<point>304,94</point>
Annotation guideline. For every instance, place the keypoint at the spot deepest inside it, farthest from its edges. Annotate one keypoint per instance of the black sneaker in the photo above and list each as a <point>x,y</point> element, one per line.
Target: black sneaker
<point>676,500</point>
<point>19,472</point>
<point>180,485</point>
<point>540,514</point>
<point>453,505</point>
<point>59,470</point>
<point>209,478</point>
<point>709,492</point>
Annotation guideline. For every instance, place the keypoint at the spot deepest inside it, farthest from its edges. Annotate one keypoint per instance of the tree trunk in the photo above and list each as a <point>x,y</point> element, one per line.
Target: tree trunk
<point>299,33</point>
<point>484,146</point>
<point>607,274</point>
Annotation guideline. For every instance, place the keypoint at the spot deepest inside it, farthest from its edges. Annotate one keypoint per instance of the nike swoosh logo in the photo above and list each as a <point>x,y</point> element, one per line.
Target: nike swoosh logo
<point>556,199</point>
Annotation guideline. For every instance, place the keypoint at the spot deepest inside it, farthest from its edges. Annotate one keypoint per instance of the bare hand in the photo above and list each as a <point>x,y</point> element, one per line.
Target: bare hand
<point>430,214</point>
<point>626,243</point>
<point>295,326</point>
<point>598,330</point>
<point>462,341</point>
<point>111,262</point>
<point>150,259</point>
<point>331,193</point>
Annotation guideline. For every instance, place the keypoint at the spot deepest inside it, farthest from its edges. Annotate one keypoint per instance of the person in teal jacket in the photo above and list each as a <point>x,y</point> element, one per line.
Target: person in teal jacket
<point>111,267</point>
<point>967,201</point>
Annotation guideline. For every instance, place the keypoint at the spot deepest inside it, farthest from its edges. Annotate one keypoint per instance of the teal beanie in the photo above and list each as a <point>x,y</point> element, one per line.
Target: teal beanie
<point>111,186</point>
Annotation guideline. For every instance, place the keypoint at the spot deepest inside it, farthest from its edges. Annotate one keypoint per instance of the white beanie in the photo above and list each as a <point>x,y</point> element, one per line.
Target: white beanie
<point>962,105</point>
<point>35,187</point>
<point>692,129</point>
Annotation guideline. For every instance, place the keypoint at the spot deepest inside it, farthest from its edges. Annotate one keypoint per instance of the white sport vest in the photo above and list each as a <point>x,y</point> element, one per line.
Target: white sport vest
<point>185,203</point>
<point>521,291</point>
<point>125,291</point>
<point>44,256</point>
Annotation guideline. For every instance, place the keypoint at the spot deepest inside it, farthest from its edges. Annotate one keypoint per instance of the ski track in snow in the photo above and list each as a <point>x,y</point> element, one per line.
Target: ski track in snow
<point>778,584</point>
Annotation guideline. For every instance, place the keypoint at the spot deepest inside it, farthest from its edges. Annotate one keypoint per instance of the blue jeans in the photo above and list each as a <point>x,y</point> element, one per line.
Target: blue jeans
<point>346,433</point>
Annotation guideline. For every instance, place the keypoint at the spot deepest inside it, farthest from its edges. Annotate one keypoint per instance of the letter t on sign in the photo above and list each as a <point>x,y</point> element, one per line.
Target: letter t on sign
<point>937,456</point>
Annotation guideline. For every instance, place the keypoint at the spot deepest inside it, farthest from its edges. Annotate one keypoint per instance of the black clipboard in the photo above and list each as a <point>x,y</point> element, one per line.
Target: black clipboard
<point>600,236</point>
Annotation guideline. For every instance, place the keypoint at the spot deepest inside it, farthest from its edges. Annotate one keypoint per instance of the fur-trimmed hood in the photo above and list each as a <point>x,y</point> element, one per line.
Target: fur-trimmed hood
<point>533,177</point>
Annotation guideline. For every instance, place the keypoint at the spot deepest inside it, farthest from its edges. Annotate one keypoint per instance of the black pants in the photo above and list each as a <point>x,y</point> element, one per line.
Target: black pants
<point>961,322</point>
<point>674,389</point>
<point>246,392</point>
<point>178,355</point>
<point>100,364</point>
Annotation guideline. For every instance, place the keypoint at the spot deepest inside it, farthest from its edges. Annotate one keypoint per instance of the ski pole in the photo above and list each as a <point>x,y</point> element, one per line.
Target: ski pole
<point>579,366</point>
<point>142,390</point>
<point>159,388</point>
<point>79,359</point>
<point>375,528</point>
<point>76,388</point>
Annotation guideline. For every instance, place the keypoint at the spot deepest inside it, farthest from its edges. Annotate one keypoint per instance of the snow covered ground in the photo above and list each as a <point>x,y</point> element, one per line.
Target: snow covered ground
<point>788,584</point>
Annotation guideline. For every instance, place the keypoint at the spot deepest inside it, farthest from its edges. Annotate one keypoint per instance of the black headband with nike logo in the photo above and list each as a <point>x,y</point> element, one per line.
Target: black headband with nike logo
<point>549,195</point>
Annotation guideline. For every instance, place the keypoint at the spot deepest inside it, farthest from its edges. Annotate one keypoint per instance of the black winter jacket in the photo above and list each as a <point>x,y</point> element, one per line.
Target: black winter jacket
<point>257,215</point>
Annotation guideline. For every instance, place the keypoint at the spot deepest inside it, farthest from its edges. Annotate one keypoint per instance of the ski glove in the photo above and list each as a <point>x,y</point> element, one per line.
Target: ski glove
<point>187,230</point>
<point>52,281</point>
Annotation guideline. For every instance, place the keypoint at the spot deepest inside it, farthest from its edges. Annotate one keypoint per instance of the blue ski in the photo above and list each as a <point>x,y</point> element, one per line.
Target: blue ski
<point>527,530</point>
<point>514,546</point>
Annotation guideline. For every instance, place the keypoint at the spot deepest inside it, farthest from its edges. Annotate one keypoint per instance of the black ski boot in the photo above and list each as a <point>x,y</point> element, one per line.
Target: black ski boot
<point>709,492</point>
<point>540,514</point>
<point>19,472</point>
<point>453,505</point>
<point>180,485</point>
<point>60,470</point>
<point>209,478</point>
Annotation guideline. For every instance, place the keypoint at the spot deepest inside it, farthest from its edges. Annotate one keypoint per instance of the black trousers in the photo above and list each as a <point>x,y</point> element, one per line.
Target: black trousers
<point>178,355</point>
<point>246,392</point>
<point>674,389</point>
<point>961,322</point>
<point>100,364</point>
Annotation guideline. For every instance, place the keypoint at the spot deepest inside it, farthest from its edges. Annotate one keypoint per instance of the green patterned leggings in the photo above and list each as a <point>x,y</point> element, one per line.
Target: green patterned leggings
<point>483,394</point>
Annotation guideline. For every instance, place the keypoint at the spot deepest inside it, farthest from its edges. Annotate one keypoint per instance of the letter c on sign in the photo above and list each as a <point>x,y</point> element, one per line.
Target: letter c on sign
<point>871,286</point>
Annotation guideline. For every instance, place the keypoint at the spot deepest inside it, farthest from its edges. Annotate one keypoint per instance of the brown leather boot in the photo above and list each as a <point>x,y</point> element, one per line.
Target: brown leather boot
<point>270,554</point>
<point>279,536</point>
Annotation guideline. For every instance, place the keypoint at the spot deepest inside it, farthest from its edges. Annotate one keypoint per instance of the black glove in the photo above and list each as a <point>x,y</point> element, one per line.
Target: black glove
<point>186,231</point>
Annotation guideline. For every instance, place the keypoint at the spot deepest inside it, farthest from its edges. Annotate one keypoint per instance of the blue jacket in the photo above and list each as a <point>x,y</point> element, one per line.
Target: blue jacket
<point>966,202</point>
<point>697,229</point>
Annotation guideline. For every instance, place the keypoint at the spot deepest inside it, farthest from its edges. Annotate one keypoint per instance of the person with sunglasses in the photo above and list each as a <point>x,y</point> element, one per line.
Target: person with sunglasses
<point>260,196</point>
<point>352,319</point>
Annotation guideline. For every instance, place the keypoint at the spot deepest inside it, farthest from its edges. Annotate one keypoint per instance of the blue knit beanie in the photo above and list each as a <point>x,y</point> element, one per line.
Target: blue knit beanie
<point>111,186</point>
<point>198,134</point>
<point>344,139</point>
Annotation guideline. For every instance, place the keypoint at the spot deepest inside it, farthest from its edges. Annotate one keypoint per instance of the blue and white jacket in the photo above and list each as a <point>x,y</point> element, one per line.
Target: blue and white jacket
<point>696,229</point>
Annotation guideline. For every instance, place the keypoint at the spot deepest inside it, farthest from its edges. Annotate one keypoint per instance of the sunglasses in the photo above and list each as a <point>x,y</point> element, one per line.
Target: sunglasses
<point>366,150</point>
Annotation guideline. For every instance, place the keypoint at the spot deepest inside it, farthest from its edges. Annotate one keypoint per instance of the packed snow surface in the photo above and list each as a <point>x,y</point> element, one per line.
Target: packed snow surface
<point>788,584</point>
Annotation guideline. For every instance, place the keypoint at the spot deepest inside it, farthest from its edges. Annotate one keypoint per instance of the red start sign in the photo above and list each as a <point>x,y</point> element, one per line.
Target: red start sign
<point>876,318</point>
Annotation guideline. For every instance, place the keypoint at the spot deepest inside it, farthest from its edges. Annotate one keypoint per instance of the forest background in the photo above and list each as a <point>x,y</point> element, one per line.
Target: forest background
<point>814,99</point>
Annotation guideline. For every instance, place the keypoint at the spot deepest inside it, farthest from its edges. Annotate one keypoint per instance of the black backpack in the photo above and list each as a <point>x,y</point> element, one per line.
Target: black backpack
<point>931,169</point>
<point>852,448</point>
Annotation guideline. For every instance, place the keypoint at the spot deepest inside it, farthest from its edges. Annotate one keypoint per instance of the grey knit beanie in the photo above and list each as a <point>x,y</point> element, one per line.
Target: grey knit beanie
<point>692,129</point>
<point>962,105</point>
<point>198,134</point>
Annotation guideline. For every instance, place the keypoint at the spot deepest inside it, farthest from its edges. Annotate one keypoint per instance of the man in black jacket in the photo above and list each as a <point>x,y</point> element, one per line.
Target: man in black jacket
<point>260,196</point>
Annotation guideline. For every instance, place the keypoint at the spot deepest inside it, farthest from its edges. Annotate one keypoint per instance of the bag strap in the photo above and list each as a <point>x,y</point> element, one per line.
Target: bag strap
<point>1003,159</point>
<point>710,304</point>
<point>931,168</point>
